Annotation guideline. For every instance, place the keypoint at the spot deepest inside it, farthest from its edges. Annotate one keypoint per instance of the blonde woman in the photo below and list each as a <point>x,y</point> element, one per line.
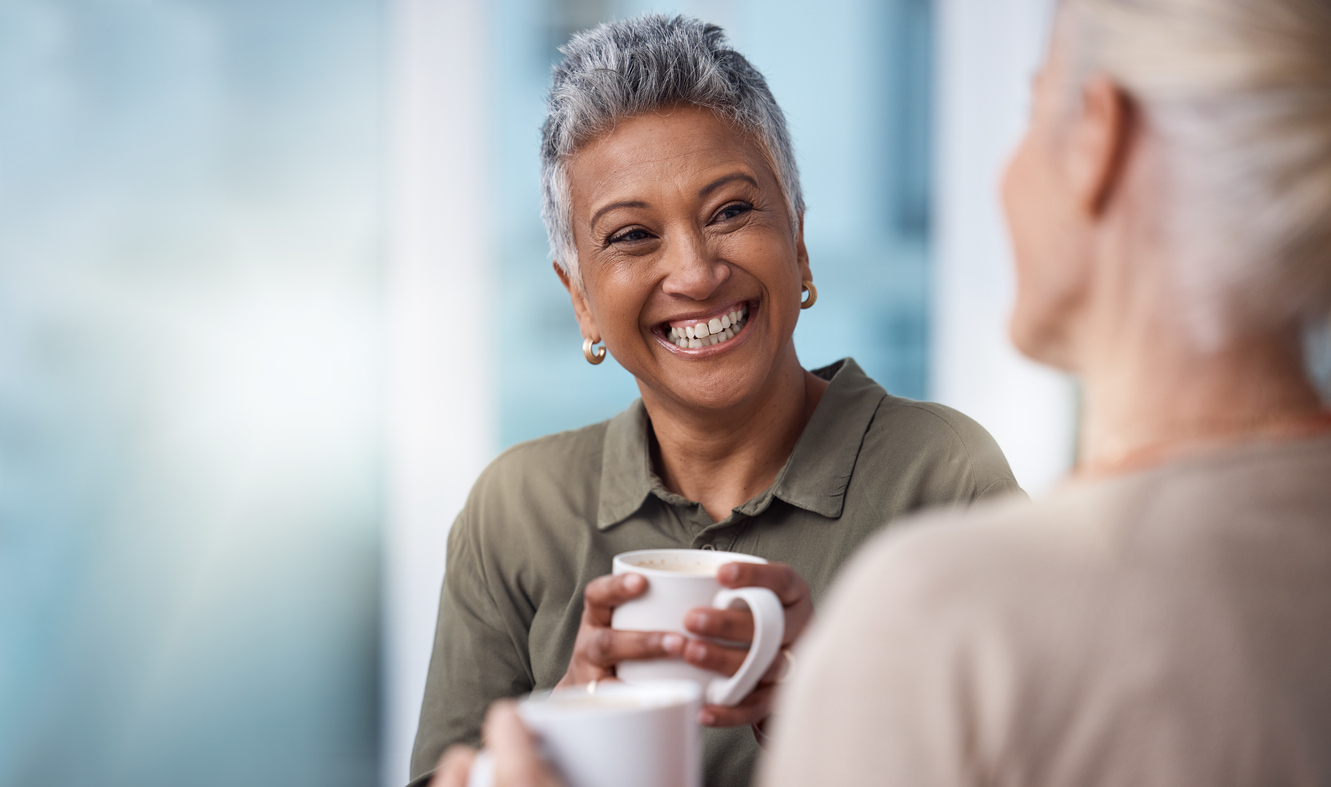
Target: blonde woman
<point>1165,617</point>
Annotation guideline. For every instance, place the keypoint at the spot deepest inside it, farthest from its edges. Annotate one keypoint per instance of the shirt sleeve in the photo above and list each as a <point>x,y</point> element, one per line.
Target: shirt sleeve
<point>477,658</point>
<point>999,487</point>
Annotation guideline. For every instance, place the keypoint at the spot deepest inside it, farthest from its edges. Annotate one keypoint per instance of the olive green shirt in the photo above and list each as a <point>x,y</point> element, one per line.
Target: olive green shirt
<point>547,516</point>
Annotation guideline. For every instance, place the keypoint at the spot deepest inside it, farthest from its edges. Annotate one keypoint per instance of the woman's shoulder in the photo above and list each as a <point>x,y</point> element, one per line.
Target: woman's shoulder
<point>994,561</point>
<point>546,468</point>
<point>939,442</point>
<point>1268,498</point>
<point>569,452</point>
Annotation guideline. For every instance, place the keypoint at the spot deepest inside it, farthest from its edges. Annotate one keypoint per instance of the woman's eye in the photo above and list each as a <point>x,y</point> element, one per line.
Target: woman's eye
<point>629,236</point>
<point>733,211</point>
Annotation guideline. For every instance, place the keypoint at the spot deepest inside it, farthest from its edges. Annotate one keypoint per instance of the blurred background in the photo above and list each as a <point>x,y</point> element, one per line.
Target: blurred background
<point>274,288</point>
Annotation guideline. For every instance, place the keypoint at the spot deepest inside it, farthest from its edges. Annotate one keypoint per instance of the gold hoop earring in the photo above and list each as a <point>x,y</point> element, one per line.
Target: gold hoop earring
<point>593,358</point>
<point>813,295</point>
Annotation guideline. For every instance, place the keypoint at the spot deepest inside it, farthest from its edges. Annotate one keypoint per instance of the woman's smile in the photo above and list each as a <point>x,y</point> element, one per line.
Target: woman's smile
<point>716,330</point>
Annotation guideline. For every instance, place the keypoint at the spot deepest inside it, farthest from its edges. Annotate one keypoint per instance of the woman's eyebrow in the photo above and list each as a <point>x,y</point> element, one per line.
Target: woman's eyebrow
<point>723,180</point>
<point>612,206</point>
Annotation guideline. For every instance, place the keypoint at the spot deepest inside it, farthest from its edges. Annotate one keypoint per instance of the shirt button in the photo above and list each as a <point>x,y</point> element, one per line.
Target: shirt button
<point>708,547</point>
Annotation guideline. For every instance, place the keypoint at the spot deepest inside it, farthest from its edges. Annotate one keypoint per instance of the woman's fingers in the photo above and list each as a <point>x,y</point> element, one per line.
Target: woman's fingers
<point>727,660</point>
<point>454,767</point>
<point>517,762</point>
<point>713,657</point>
<point>605,593</point>
<point>782,580</point>
<point>779,578</point>
<point>608,647</point>
<point>732,625</point>
<point>780,669</point>
<point>598,648</point>
<point>755,707</point>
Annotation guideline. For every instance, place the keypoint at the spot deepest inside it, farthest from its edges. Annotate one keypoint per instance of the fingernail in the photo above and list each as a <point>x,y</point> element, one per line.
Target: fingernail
<point>727,573</point>
<point>634,582</point>
<point>695,652</point>
<point>672,644</point>
<point>695,620</point>
<point>706,718</point>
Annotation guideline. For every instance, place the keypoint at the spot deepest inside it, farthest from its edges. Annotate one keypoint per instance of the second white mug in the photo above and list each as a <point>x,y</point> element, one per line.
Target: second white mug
<point>679,580</point>
<point>643,735</point>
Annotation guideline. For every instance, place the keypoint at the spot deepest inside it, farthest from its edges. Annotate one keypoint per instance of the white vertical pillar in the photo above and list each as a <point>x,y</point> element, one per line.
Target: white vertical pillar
<point>441,423</point>
<point>987,54</point>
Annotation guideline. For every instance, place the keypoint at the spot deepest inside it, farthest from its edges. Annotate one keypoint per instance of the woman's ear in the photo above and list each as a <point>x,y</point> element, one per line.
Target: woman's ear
<point>1099,143</point>
<point>802,253</point>
<point>581,309</point>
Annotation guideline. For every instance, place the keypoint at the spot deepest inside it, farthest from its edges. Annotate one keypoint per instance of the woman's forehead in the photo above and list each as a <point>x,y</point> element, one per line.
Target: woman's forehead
<point>681,148</point>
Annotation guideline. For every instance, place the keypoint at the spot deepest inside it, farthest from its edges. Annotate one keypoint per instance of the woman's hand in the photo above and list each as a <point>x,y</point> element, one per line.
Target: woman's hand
<point>736,625</point>
<point>516,760</point>
<point>598,647</point>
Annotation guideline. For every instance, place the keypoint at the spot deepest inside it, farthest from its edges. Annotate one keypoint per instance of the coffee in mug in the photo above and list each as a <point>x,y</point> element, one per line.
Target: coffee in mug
<point>679,580</point>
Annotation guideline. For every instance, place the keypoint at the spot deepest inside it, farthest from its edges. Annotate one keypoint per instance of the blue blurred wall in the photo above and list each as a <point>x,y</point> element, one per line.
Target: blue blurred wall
<point>191,218</point>
<point>189,411</point>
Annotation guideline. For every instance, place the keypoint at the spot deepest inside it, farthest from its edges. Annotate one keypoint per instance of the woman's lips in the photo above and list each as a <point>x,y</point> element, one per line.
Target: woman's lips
<point>700,333</point>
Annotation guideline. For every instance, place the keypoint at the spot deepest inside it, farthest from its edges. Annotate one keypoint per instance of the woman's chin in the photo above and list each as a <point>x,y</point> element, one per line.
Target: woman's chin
<point>720,382</point>
<point>1040,344</point>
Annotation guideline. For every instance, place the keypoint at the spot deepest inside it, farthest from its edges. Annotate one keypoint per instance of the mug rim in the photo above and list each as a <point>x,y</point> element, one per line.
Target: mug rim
<point>678,692</point>
<point>734,557</point>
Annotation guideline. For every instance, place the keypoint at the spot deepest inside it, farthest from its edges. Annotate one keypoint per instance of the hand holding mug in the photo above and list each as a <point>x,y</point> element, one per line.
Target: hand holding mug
<point>599,648</point>
<point>750,607</point>
<point>513,755</point>
<point>609,735</point>
<point>736,625</point>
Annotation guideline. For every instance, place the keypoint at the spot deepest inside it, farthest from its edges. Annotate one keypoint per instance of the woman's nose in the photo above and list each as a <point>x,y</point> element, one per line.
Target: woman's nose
<point>692,270</point>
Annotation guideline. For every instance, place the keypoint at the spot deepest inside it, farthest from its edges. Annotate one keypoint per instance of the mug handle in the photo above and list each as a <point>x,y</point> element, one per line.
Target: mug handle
<point>769,626</point>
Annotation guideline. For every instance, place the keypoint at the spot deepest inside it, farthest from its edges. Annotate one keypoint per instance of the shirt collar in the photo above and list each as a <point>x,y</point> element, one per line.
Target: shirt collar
<point>626,467</point>
<point>814,477</point>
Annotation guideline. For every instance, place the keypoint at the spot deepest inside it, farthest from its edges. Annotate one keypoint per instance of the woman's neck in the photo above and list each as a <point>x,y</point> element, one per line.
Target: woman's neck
<point>721,459</point>
<point>1155,400</point>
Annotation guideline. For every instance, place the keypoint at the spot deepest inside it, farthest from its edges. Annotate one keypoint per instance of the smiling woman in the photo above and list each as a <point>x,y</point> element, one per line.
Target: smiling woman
<point>687,227</point>
<point>674,210</point>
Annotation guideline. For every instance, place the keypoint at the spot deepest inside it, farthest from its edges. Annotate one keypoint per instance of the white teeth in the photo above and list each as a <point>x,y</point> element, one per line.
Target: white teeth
<point>714,331</point>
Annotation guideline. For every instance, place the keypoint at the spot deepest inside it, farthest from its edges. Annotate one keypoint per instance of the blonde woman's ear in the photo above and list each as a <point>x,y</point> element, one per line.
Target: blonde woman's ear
<point>1099,144</point>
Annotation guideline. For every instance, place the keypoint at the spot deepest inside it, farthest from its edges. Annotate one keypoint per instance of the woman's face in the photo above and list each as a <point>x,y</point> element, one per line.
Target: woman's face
<point>682,230</point>
<point>1043,219</point>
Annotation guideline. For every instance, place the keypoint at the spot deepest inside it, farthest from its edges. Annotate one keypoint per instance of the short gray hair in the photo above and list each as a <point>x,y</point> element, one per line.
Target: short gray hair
<point>1241,92</point>
<point>625,69</point>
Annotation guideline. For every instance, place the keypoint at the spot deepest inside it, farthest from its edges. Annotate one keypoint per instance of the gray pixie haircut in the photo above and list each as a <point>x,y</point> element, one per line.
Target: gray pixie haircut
<point>621,70</point>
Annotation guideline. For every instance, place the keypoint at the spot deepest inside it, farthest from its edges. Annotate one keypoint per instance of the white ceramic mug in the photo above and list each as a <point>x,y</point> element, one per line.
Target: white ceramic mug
<point>644,735</point>
<point>679,580</point>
